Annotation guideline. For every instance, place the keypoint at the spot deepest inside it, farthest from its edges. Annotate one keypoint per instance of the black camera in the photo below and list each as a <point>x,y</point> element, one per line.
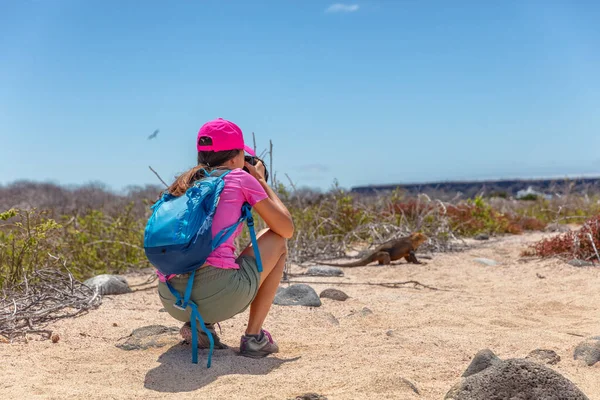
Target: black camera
<point>252,161</point>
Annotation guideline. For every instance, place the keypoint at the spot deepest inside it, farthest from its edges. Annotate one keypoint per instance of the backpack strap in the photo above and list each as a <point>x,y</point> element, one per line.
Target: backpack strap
<point>247,215</point>
<point>195,317</point>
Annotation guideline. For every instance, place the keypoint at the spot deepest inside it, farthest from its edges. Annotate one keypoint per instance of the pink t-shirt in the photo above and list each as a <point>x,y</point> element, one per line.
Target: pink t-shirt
<point>240,187</point>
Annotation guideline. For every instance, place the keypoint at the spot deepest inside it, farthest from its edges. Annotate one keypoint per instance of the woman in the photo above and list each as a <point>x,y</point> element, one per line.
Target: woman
<point>225,286</point>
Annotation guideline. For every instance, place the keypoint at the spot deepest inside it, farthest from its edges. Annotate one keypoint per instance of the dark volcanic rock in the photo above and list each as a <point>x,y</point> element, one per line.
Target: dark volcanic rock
<point>515,379</point>
<point>150,336</point>
<point>544,356</point>
<point>310,396</point>
<point>334,294</point>
<point>297,295</point>
<point>324,271</point>
<point>588,351</point>
<point>483,359</point>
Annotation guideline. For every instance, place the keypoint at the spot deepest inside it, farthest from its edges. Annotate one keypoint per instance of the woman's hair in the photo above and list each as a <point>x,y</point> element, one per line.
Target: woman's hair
<point>207,160</point>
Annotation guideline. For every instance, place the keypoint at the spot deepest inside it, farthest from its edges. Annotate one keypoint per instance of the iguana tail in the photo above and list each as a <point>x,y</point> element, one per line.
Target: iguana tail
<point>360,263</point>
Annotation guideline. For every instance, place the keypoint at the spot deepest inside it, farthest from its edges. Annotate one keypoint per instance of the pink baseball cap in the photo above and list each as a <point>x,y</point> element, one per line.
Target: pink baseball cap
<point>225,135</point>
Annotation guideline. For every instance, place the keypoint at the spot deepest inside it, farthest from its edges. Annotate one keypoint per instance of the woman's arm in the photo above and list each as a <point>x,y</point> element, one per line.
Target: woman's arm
<point>272,210</point>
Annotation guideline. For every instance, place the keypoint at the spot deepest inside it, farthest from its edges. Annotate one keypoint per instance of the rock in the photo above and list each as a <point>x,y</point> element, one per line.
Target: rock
<point>150,336</point>
<point>486,261</point>
<point>544,356</point>
<point>55,338</point>
<point>333,294</point>
<point>390,333</point>
<point>515,379</point>
<point>482,236</point>
<point>324,271</point>
<point>580,263</point>
<point>557,228</point>
<point>588,351</point>
<point>297,295</point>
<point>483,359</point>
<point>108,284</point>
<point>310,396</point>
<point>366,311</point>
<point>162,310</point>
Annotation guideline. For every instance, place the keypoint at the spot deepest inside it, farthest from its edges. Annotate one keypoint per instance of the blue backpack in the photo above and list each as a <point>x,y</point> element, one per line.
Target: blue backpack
<point>178,240</point>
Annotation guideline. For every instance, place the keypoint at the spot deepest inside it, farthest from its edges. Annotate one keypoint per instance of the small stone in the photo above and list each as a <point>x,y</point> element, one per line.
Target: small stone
<point>334,294</point>
<point>483,359</point>
<point>108,284</point>
<point>150,336</point>
<point>55,338</point>
<point>324,271</point>
<point>557,228</point>
<point>366,311</point>
<point>4,339</point>
<point>486,261</point>
<point>482,236</point>
<point>390,333</point>
<point>588,351</point>
<point>162,310</point>
<point>115,324</point>
<point>580,263</point>
<point>310,396</point>
<point>297,295</point>
<point>544,356</point>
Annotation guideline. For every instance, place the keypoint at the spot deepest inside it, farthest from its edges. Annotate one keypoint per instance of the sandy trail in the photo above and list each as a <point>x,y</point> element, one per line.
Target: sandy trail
<point>506,308</point>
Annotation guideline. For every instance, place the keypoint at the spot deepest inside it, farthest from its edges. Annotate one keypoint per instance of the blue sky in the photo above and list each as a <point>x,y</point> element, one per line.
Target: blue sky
<point>362,92</point>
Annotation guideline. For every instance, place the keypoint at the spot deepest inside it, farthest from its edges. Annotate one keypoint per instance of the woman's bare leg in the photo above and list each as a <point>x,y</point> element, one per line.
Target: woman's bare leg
<point>273,251</point>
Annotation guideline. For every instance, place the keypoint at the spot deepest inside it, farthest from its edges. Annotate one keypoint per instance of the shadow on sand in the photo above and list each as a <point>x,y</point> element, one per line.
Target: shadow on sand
<point>176,373</point>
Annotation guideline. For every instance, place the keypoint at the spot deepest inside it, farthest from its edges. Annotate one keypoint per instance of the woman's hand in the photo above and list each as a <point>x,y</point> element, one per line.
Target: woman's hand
<point>257,171</point>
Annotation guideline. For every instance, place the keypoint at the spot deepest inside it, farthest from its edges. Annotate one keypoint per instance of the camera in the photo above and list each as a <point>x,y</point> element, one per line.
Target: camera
<point>252,161</point>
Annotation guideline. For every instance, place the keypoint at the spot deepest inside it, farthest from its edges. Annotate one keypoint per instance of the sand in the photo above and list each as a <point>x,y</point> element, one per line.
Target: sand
<point>426,337</point>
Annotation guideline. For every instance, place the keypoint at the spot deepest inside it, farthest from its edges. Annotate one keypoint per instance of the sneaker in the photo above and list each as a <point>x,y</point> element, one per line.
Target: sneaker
<point>203,341</point>
<point>250,346</point>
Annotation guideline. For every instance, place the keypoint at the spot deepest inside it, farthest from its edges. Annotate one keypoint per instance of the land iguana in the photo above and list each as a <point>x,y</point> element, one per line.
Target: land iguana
<point>390,251</point>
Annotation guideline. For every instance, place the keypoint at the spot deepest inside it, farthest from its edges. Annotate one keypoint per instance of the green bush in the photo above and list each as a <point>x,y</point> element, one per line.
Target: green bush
<point>89,243</point>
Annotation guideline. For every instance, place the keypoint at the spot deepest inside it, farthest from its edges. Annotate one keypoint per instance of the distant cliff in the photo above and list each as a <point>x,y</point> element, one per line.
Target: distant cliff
<point>502,188</point>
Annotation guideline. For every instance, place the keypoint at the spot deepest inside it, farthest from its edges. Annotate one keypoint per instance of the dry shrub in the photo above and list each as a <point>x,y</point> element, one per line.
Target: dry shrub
<point>582,244</point>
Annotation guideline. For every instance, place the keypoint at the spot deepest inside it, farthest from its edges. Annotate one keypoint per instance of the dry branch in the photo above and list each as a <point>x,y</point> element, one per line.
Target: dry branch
<point>46,295</point>
<point>393,285</point>
<point>158,176</point>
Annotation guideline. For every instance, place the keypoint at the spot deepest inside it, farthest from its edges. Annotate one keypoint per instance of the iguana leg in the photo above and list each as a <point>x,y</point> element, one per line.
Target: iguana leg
<point>383,257</point>
<point>412,258</point>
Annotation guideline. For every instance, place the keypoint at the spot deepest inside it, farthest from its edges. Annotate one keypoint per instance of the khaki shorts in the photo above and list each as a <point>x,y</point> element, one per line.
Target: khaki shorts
<point>219,293</point>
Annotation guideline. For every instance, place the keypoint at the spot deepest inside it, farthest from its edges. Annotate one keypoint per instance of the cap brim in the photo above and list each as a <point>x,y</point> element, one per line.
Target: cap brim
<point>249,151</point>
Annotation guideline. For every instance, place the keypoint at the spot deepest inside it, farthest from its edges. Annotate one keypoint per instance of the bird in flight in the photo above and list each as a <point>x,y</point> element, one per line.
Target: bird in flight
<point>153,134</point>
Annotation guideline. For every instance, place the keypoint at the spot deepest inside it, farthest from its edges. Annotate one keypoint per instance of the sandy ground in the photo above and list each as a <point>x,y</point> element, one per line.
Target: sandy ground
<point>435,334</point>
